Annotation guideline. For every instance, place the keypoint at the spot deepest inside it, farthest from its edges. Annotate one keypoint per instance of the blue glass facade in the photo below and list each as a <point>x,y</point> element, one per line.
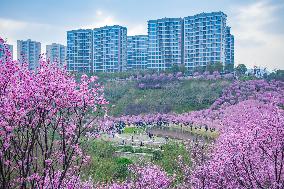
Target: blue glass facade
<point>165,43</point>
<point>137,52</point>
<point>99,50</point>
<point>229,47</point>
<point>110,49</point>
<point>80,50</point>
<point>29,51</point>
<point>204,39</point>
<point>56,53</point>
<point>193,41</point>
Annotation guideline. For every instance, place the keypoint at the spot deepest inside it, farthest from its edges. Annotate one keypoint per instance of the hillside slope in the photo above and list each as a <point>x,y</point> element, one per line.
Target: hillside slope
<point>126,97</point>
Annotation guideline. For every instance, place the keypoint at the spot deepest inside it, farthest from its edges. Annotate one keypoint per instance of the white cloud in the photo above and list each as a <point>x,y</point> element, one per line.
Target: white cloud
<point>137,29</point>
<point>11,25</point>
<point>104,18</point>
<point>254,44</point>
<point>14,30</point>
<point>99,12</point>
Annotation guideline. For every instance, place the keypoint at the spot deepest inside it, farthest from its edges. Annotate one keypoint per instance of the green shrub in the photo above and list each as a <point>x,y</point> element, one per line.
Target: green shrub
<point>247,77</point>
<point>102,149</point>
<point>139,150</point>
<point>123,161</point>
<point>104,165</point>
<point>121,171</point>
<point>102,169</point>
<point>128,149</point>
<point>169,156</point>
<point>157,155</point>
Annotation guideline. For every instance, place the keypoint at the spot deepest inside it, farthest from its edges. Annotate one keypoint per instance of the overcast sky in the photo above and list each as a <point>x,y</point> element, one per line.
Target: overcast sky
<point>258,25</point>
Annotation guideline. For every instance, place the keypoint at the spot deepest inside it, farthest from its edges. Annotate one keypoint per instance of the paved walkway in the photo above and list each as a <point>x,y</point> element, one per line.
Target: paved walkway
<point>136,139</point>
<point>173,133</point>
<point>160,135</point>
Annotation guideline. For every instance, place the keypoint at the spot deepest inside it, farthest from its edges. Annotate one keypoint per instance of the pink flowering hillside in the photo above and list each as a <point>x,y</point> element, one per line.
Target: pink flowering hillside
<point>249,153</point>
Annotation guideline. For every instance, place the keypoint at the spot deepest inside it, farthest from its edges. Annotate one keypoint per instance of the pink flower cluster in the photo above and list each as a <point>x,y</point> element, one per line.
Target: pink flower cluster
<point>214,76</point>
<point>147,176</point>
<point>269,92</point>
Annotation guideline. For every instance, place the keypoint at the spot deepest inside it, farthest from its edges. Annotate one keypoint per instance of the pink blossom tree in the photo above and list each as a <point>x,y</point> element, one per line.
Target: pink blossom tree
<point>250,150</point>
<point>43,116</point>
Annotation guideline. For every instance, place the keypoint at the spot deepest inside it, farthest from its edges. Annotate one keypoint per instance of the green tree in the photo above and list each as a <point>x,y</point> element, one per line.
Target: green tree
<point>174,68</point>
<point>200,69</point>
<point>218,66</point>
<point>276,75</point>
<point>229,68</point>
<point>241,69</point>
<point>211,67</point>
<point>182,68</point>
<point>178,68</point>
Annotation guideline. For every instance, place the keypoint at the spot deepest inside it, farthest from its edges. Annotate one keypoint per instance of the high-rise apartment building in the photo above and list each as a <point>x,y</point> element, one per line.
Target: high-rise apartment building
<point>110,49</point>
<point>165,43</point>
<point>99,50</point>
<point>56,53</point>
<point>229,47</point>
<point>204,39</point>
<point>29,51</point>
<point>80,50</point>
<point>193,41</point>
<point>137,52</point>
